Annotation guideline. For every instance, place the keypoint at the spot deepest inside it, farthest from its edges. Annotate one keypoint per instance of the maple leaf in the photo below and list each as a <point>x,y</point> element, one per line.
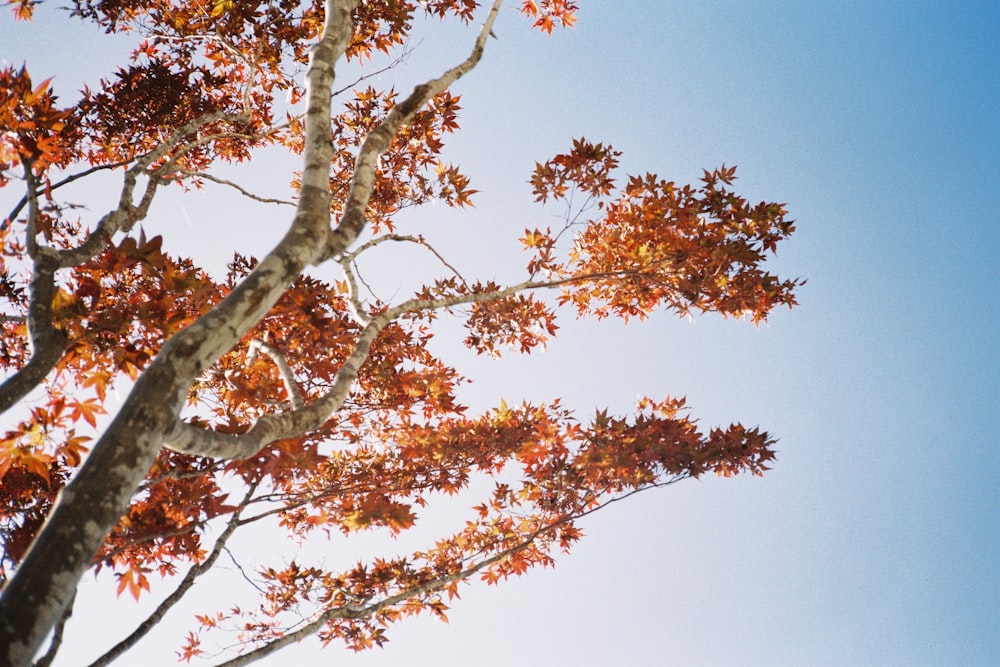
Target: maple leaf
<point>132,580</point>
<point>23,9</point>
<point>184,404</point>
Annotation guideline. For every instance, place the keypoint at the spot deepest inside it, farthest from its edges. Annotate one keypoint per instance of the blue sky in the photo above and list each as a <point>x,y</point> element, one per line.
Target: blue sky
<point>874,541</point>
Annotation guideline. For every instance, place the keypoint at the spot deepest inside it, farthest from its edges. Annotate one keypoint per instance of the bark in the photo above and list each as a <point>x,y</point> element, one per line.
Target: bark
<point>47,342</point>
<point>91,504</point>
<point>198,441</point>
<point>292,388</point>
<point>93,501</point>
<point>87,508</point>
<point>187,582</point>
<point>362,611</point>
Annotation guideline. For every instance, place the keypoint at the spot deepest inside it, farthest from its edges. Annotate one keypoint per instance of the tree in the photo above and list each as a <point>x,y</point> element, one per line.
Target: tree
<point>267,394</point>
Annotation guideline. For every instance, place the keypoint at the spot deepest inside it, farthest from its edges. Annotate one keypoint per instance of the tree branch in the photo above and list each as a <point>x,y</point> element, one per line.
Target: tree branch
<point>182,588</point>
<point>352,219</point>
<point>235,186</point>
<point>295,396</point>
<point>438,584</point>
<point>124,217</point>
<point>401,58</point>
<point>402,238</point>
<point>47,342</point>
<point>55,186</point>
<point>189,439</point>
<point>57,636</point>
<point>355,612</point>
<point>89,506</point>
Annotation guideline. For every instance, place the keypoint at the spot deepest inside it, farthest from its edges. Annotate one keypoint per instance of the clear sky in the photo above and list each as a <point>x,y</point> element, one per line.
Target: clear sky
<point>874,541</point>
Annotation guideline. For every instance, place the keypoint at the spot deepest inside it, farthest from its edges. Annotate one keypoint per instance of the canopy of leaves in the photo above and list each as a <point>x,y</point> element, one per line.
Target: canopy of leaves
<point>88,304</point>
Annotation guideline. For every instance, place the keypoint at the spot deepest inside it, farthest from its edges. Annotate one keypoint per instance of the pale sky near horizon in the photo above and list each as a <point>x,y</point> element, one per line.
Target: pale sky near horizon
<point>874,540</point>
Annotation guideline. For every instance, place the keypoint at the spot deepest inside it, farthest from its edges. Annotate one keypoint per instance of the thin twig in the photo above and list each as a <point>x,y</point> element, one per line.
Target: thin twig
<point>186,583</point>
<point>403,238</point>
<point>55,186</point>
<point>364,282</point>
<point>235,186</point>
<point>398,60</point>
<point>241,570</point>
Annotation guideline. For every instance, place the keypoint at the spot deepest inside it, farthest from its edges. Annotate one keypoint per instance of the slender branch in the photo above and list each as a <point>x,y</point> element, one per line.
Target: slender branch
<point>361,611</point>
<point>440,583</point>
<point>162,535</point>
<point>128,212</point>
<point>179,475</point>
<point>573,219</point>
<point>177,137</point>
<point>352,219</point>
<point>355,306</point>
<point>292,502</point>
<point>239,566</point>
<point>235,186</point>
<point>189,439</point>
<point>58,184</point>
<point>57,637</point>
<point>361,279</point>
<point>358,611</point>
<point>170,165</point>
<point>403,238</point>
<point>182,588</point>
<point>401,58</point>
<point>46,341</point>
<point>295,396</point>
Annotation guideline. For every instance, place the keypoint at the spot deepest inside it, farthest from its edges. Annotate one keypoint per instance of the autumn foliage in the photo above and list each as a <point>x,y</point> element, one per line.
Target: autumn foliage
<point>325,411</point>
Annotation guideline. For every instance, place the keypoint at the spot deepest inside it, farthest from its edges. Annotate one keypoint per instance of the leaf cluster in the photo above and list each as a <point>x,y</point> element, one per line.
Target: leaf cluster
<point>334,410</point>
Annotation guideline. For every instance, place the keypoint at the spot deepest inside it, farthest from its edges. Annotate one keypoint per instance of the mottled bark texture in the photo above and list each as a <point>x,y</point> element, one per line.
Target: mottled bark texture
<point>95,499</point>
<point>90,505</point>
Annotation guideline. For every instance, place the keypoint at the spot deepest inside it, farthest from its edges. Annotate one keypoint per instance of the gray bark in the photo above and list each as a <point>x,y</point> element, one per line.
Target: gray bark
<point>91,504</point>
